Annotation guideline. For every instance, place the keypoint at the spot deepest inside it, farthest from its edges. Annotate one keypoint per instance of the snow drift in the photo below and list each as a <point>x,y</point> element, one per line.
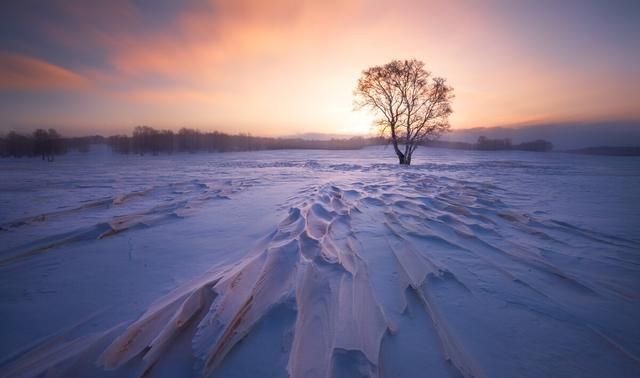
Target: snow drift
<point>371,270</point>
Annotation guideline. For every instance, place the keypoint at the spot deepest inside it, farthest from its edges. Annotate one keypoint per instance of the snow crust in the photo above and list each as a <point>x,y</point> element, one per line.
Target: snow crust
<point>321,264</point>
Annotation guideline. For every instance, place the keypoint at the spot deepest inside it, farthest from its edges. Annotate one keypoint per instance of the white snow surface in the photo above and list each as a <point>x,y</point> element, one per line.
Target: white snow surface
<point>320,264</point>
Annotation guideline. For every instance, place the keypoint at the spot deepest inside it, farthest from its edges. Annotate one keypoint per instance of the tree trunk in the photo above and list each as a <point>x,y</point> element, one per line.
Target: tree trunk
<point>401,157</point>
<point>404,159</point>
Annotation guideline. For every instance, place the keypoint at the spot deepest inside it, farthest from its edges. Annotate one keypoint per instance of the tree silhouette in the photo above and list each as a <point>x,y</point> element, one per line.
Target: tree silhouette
<point>19,145</point>
<point>413,105</point>
<point>54,144</point>
<point>40,142</point>
<point>47,143</point>
<point>146,139</point>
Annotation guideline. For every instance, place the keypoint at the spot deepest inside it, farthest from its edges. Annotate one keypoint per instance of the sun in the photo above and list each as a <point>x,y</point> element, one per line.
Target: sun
<point>358,123</point>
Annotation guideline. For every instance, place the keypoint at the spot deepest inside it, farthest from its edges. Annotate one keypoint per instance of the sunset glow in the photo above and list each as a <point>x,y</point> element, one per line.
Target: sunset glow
<point>289,67</point>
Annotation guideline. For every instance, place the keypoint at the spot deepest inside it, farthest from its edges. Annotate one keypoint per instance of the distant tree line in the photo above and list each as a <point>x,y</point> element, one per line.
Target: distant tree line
<point>43,143</point>
<point>609,151</point>
<point>538,145</point>
<point>487,144</point>
<point>147,140</point>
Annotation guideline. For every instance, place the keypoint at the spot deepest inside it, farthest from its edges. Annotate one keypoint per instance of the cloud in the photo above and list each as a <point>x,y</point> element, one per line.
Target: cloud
<point>205,42</point>
<point>24,73</point>
<point>291,64</point>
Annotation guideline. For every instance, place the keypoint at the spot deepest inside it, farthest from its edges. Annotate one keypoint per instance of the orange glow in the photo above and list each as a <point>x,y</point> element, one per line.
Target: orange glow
<point>19,72</point>
<point>285,67</point>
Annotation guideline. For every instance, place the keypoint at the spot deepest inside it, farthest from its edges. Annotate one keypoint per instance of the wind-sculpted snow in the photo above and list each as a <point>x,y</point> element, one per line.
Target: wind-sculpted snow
<point>374,271</point>
<point>116,214</point>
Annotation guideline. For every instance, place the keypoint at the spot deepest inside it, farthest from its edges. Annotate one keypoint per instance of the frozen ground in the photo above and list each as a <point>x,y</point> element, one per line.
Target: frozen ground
<point>318,263</point>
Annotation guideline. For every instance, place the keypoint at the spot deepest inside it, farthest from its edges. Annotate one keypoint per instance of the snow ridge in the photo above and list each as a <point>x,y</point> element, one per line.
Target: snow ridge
<point>358,264</point>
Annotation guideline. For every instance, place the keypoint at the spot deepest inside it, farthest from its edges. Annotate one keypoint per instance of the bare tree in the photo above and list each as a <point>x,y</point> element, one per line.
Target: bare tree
<point>47,143</point>
<point>54,144</point>
<point>40,143</point>
<point>413,105</point>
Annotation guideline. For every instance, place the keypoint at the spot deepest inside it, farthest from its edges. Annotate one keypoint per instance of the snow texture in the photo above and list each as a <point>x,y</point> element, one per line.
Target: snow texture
<point>320,264</point>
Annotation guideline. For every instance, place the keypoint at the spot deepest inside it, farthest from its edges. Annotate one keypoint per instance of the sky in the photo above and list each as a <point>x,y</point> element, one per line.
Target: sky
<point>285,67</point>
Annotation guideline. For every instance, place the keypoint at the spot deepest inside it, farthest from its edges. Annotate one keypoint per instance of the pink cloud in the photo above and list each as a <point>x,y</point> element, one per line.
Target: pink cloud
<point>24,73</point>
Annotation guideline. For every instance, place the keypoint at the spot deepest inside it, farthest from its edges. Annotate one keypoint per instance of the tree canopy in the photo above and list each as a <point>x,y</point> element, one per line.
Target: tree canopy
<point>412,104</point>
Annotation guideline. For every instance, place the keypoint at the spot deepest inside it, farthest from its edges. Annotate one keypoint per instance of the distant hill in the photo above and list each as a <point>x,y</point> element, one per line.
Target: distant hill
<point>564,136</point>
<point>608,151</point>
